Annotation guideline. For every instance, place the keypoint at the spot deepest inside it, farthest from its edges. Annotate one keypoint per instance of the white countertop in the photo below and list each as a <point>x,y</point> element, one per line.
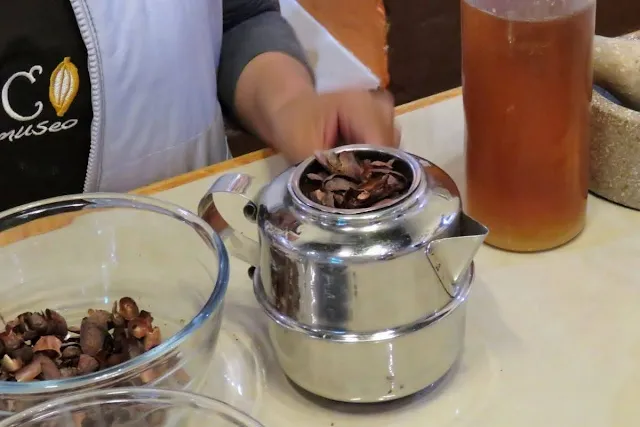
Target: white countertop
<point>553,339</point>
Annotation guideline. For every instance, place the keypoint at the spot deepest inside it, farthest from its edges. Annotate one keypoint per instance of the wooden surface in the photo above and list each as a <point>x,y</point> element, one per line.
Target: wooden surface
<point>430,100</point>
<point>264,153</point>
<point>204,172</point>
<point>38,226</point>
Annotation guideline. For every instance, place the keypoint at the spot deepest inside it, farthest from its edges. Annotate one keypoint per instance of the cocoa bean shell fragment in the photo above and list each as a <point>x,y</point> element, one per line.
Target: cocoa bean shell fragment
<point>100,317</point>
<point>42,346</point>
<point>351,182</point>
<point>349,165</point>
<point>48,345</point>
<point>49,369</point>
<point>25,354</point>
<point>128,308</point>
<point>92,336</point>
<point>69,372</point>
<point>11,365</point>
<point>29,372</point>
<point>119,338</point>
<point>87,364</point>
<point>36,322</point>
<point>317,176</point>
<point>56,324</point>
<point>11,340</point>
<point>116,359</point>
<point>152,339</point>
<point>139,327</point>
<point>71,352</point>
<point>337,183</point>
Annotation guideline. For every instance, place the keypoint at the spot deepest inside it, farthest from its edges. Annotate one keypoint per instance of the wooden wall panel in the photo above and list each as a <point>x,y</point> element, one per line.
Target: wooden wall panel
<point>424,47</point>
<point>360,25</point>
<point>617,17</point>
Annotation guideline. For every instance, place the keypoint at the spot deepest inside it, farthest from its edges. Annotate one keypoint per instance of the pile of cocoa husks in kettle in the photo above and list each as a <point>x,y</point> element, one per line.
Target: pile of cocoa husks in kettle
<point>350,182</point>
<point>42,346</point>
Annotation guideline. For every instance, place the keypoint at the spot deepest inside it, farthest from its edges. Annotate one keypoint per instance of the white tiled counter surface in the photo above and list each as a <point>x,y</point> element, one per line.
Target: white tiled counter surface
<point>553,339</point>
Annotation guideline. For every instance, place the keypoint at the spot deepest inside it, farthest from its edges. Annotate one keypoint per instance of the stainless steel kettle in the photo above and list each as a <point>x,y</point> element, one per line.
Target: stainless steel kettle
<point>356,270</point>
<point>365,305</point>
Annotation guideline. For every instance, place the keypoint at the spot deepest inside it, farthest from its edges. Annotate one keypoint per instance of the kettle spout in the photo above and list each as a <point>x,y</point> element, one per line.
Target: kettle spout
<point>450,257</point>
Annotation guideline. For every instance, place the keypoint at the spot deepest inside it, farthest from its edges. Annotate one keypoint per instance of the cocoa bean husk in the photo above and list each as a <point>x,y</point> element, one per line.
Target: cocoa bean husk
<point>11,365</point>
<point>139,327</point>
<point>48,345</point>
<point>101,318</point>
<point>29,372</point>
<point>87,364</point>
<point>152,339</point>
<point>11,340</point>
<point>49,369</point>
<point>25,354</point>
<point>36,322</point>
<point>92,336</point>
<point>128,308</point>
<point>69,372</point>
<point>56,324</point>
<point>42,346</point>
<point>116,359</point>
<point>71,352</point>
<point>349,182</point>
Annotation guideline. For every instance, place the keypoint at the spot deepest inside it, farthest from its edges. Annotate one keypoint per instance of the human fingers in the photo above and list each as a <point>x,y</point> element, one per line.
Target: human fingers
<point>367,118</point>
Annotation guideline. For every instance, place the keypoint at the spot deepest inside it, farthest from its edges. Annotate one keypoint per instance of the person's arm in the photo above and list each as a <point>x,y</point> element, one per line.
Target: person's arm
<point>262,64</point>
<point>266,84</point>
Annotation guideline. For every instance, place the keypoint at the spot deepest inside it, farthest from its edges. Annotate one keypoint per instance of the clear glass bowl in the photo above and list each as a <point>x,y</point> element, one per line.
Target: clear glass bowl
<point>74,253</point>
<point>134,407</point>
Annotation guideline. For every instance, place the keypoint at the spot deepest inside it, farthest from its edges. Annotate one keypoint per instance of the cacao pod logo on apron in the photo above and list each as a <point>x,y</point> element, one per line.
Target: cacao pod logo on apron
<point>63,86</point>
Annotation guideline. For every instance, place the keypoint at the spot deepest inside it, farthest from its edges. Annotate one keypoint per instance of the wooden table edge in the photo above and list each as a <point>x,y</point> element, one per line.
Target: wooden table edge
<point>267,152</point>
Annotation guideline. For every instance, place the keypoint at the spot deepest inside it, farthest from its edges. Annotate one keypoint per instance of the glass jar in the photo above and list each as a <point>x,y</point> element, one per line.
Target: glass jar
<point>527,86</point>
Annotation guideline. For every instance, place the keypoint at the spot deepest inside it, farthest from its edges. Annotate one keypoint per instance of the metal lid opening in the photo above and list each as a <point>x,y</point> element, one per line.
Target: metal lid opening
<point>355,179</point>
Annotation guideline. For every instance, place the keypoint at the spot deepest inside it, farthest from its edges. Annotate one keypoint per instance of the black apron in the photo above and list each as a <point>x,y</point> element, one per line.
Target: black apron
<point>45,109</point>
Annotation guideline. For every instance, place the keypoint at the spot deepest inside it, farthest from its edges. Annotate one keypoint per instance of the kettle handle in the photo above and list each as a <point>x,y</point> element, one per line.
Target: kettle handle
<point>238,245</point>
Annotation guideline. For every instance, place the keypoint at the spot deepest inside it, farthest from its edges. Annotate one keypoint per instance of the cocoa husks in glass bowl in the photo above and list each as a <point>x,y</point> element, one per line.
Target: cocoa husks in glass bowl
<point>42,346</point>
<point>347,181</point>
<point>127,414</point>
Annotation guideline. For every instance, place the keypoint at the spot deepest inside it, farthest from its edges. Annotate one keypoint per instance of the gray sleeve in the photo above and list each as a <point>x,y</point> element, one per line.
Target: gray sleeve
<point>250,28</point>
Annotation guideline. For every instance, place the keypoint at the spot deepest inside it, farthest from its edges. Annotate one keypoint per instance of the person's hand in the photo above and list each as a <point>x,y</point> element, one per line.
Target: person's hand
<point>275,98</point>
<point>313,122</point>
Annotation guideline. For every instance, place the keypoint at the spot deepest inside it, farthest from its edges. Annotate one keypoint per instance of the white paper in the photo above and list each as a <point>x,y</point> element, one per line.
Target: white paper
<point>336,67</point>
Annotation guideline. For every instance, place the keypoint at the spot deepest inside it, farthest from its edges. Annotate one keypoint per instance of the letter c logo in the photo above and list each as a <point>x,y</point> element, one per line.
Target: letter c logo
<point>5,94</point>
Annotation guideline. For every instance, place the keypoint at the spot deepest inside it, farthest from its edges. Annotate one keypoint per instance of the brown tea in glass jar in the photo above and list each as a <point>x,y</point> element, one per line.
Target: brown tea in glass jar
<point>527,85</point>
